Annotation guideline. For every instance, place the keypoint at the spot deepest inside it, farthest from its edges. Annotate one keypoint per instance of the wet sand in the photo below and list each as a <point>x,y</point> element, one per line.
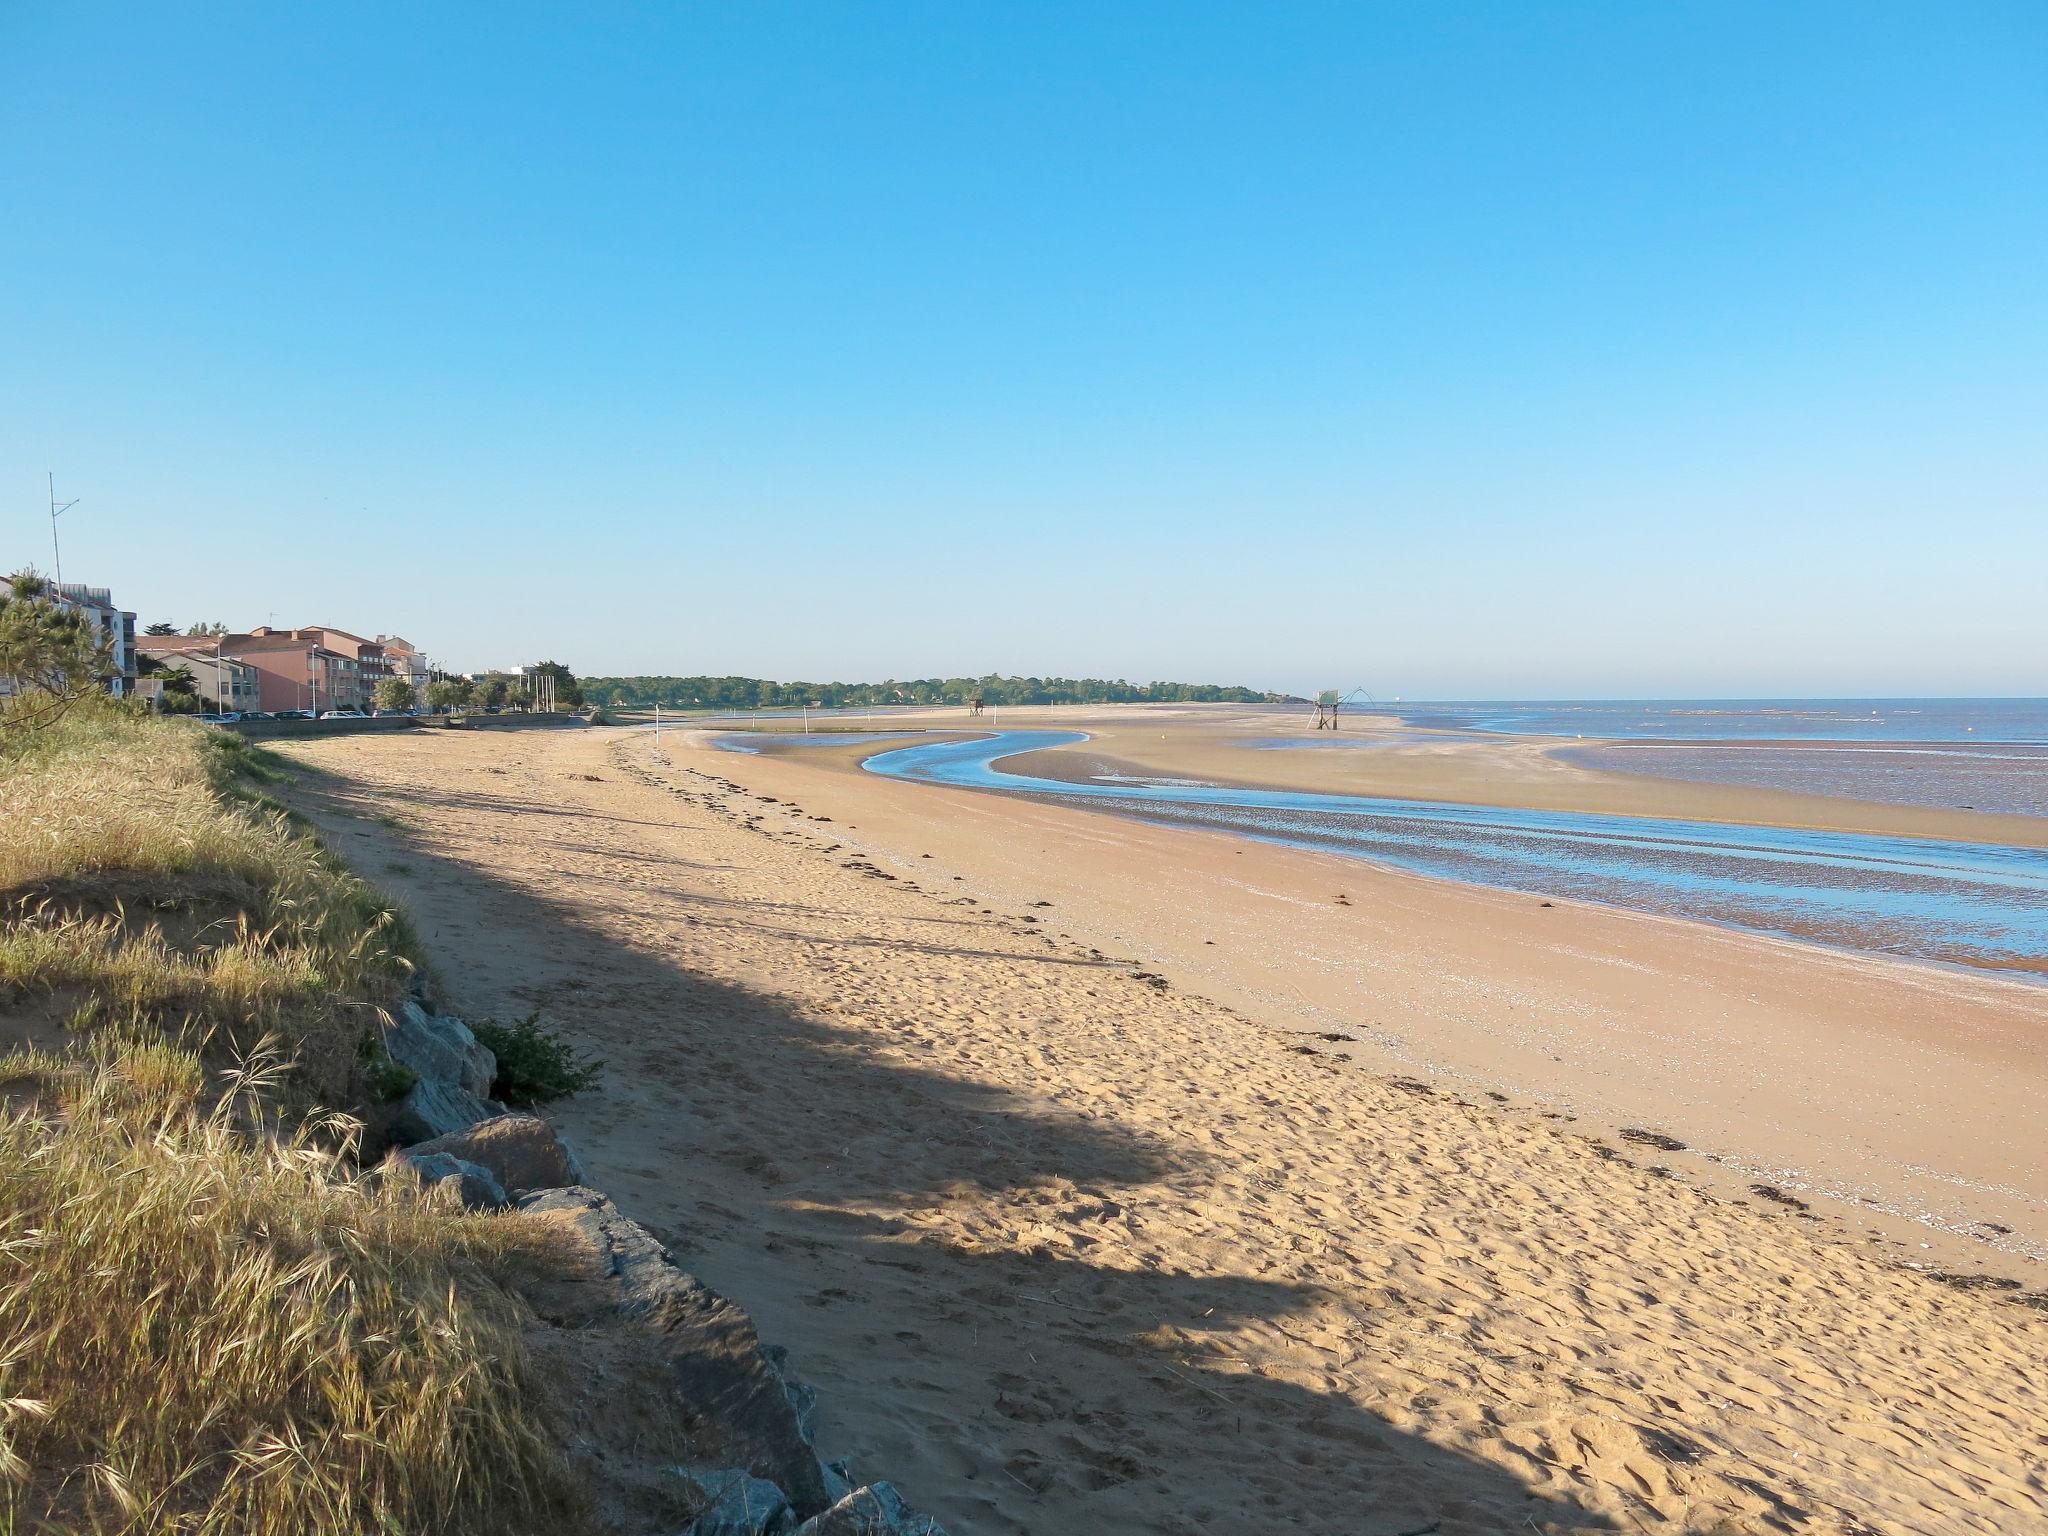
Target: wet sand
<point>1379,756</point>
<point>1989,777</point>
<point>1221,746</point>
<point>1079,1225</point>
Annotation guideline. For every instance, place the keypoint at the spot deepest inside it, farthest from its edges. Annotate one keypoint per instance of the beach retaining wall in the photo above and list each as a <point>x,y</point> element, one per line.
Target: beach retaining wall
<point>267,729</point>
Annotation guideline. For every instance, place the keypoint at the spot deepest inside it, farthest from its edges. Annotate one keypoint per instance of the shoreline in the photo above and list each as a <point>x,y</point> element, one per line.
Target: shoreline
<point>1103,784</point>
<point>1386,759</point>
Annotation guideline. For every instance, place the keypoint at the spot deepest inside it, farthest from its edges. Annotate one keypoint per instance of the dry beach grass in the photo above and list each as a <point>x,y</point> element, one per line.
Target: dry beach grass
<point>1069,1248</point>
<point>207,1331</point>
<point>208,1321</point>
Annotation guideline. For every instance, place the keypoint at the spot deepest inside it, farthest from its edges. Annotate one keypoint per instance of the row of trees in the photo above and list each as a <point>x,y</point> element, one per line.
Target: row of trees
<point>196,631</point>
<point>495,690</point>
<point>180,695</point>
<point>761,693</point>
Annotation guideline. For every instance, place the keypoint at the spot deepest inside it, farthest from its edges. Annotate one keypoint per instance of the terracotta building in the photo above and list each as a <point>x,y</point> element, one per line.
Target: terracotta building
<point>297,669</point>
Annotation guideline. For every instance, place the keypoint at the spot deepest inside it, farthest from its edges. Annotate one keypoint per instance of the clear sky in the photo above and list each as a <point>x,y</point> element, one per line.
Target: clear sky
<point>1455,350</point>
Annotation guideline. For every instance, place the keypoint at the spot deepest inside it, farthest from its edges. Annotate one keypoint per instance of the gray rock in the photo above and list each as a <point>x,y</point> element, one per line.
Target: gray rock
<point>474,1186</point>
<point>522,1152</point>
<point>876,1510</point>
<point>737,1403</point>
<point>838,1480</point>
<point>575,1163</point>
<point>803,1397</point>
<point>435,1108</point>
<point>738,1504</point>
<point>440,1048</point>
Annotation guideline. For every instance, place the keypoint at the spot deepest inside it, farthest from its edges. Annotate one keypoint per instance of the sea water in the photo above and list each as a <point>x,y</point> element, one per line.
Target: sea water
<point>1957,720</point>
<point>1948,754</point>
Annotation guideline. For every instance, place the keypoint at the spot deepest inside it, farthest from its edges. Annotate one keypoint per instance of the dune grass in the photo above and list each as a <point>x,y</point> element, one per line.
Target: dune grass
<point>142,863</point>
<point>208,1330</point>
<point>209,1321</point>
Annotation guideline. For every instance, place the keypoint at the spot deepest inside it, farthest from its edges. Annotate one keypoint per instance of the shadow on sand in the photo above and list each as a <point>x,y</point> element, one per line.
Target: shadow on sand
<point>1004,1390</point>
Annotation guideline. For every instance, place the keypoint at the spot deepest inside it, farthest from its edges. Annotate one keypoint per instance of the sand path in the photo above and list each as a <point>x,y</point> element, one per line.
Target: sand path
<point>1066,1251</point>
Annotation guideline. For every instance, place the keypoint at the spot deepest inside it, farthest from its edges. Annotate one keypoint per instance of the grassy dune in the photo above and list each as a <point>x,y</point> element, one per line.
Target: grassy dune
<point>209,1322</point>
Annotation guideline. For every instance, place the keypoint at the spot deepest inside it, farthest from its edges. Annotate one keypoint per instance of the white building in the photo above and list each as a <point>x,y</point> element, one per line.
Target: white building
<point>115,625</point>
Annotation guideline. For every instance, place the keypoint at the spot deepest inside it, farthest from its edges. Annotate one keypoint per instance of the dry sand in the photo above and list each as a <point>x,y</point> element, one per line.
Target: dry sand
<point>1070,1250</point>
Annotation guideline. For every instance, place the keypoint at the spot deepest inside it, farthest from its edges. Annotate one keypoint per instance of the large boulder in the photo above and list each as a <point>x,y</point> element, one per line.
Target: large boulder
<point>475,1186</point>
<point>440,1048</point>
<point>738,1408</point>
<point>876,1510</point>
<point>434,1108</point>
<point>736,1503</point>
<point>522,1152</point>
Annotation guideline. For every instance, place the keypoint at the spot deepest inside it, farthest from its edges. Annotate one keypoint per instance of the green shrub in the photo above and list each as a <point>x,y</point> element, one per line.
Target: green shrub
<point>534,1064</point>
<point>389,1079</point>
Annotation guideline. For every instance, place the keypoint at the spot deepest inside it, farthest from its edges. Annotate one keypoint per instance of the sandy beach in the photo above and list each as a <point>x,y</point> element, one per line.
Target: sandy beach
<point>1075,1234</point>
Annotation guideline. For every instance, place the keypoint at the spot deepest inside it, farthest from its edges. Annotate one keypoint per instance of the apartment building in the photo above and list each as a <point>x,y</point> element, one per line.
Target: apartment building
<point>373,662</point>
<point>298,670</point>
<point>115,625</point>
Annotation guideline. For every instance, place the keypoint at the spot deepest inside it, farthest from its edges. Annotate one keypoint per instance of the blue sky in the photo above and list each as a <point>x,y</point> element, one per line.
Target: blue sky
<point>1456,350</point>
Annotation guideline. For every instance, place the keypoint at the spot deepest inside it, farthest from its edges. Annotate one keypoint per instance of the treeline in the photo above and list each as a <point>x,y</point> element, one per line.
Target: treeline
<point>496,690</point>
<point>761,693</point>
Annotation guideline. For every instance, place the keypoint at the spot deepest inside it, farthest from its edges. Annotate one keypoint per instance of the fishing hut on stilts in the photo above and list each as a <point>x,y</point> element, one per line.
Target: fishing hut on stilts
<point>1329,701</point>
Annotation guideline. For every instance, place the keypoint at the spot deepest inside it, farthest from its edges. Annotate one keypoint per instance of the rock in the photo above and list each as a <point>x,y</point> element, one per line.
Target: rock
<point>803,1397</point>
<point>737,1405</point>
<point>738,1504</point>
<point>575,1163</point>
<point>434,1108</point>
<point>876,1510</point>
<point>522,1152</point>
<point>474,1186</point>
<point>440,1048</point>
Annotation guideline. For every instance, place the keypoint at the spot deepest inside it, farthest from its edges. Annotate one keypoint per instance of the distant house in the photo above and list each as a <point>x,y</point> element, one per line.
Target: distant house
<point>406,660</point>
<point>222,682</point>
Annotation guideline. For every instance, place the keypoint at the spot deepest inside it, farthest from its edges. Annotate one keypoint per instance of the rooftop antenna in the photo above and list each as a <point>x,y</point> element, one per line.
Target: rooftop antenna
<point>56,552</point>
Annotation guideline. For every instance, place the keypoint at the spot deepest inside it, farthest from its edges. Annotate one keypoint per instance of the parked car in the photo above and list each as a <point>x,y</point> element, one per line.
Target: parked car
<point>293,714</point>
<point>218,719</point>
<point>257,714</point>
<point>343,714</point>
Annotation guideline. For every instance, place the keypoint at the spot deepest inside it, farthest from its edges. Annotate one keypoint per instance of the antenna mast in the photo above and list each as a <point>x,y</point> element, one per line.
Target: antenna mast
<point>56,552</point>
